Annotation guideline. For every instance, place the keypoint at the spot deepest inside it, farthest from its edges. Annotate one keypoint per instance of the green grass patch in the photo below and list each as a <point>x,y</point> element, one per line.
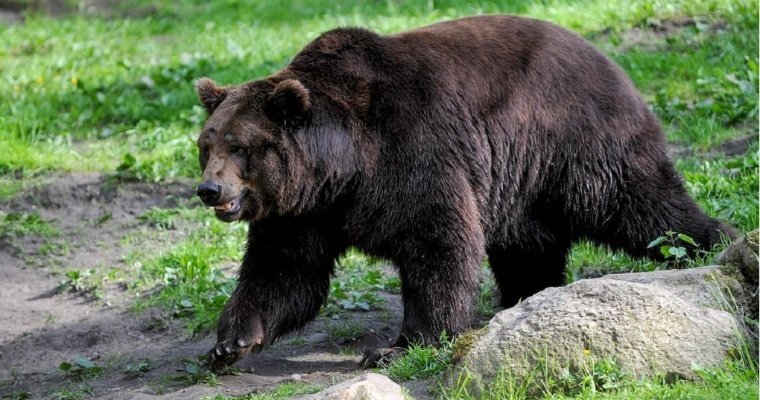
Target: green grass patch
<point>9,187</point>
<point>115,94</point>
<point>345,330</point>
<point>18,224</point>
<point>726,188</point>
<point>603,379</point>
<point>420,362</point>
<point>702,82</point>
<point>358,280</point>
<point>194,372</point>
<point>283,391</point>
<point>187,281</point>
<point>171,218</point>
<point>192,286</point>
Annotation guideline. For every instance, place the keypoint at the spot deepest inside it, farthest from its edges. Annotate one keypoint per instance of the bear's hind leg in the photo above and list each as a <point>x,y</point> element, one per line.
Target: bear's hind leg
<point>655,205</point>
<point>439,284</point>
<point>522,271</point>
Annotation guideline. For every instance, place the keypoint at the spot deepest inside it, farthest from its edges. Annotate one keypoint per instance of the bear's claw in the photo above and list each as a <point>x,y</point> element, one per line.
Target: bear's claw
<point>224,354</point>
<point>229,351</point>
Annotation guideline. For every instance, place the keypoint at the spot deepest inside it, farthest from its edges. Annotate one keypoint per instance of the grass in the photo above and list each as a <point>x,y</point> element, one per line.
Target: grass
<point>358,280</point>
<point>601,379</point>
<point>343,331</point>
<point>420,362</point>
<point>19,224</point>
<point>726,188</point>
<point>192,284</point>
<point>79,372</point>
<point>193,372</point>
<point>283,391</point>
<point>605,380</point>
<point>124,102</point>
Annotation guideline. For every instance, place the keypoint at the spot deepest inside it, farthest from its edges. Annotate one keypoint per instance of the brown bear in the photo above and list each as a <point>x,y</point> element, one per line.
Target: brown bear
<point>493,136</point>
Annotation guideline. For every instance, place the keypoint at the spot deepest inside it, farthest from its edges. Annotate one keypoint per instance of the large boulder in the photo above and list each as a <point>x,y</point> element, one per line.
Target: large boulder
<point>364,387</point>
<point>717,287</point>
<point>663,323</point>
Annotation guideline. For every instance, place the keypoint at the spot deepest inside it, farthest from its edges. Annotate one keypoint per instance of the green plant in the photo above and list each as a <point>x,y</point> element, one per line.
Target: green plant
<point>601,376</point>
<point>357,283</point>
<point>298,341</point>
<point>161,218</point>
<point>51,248</point>
<point>81,368</point>
<point>77,281</point>
<point>486,303</point>
<point>193,372</point>
<point>138,368</point>
<point>672,246</point>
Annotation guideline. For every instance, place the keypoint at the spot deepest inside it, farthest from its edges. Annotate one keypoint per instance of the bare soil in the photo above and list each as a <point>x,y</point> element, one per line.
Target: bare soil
<point>41,327</point>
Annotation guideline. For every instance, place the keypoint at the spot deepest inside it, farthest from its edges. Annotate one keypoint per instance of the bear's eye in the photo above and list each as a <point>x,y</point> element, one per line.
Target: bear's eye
<point>238,150</point>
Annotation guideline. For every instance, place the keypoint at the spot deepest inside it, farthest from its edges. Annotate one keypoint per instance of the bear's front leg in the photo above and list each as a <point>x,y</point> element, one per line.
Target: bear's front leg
<point>240,330</point>
<point>283,282</point>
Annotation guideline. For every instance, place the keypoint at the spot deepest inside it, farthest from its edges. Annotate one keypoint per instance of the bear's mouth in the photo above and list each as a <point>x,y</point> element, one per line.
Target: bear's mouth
<point>228,211</point>
<point>234,205</point>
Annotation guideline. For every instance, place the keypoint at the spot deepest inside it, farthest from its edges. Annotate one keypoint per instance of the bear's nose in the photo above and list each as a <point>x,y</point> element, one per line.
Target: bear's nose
<point>209,192</point>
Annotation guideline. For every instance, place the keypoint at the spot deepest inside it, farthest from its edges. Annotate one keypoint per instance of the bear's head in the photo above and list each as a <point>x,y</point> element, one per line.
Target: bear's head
<point>270,147</point>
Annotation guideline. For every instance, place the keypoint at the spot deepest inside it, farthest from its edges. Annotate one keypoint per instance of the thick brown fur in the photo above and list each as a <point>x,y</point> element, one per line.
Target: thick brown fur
<point>499,137</point>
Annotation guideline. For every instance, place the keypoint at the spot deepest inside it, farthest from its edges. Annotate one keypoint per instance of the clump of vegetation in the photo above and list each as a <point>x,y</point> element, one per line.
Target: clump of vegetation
<point>287,390</point>
<point>194,372</point>
<point>138,368</point>
<point>19,224</point>
<point>72,392</point>
<point>603,379</point>
<point>672,246</point>
<point>76,281</point>
<point>81,368</point>
<point>342,331</point>
<point>359,279</point>
<point>78,372</point>
<point>190,284</point>
<point>421,362</point>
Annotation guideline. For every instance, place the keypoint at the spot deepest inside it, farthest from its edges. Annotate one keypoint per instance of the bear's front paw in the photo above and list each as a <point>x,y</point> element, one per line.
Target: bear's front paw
<point>232,346</point>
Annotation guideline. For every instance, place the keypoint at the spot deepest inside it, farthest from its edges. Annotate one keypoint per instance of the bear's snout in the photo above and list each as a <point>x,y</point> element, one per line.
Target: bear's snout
<point>209,192</point>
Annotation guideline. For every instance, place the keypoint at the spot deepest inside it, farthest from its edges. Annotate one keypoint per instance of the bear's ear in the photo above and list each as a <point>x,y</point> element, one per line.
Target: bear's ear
<point>289,102</point>
<point>210,94</point>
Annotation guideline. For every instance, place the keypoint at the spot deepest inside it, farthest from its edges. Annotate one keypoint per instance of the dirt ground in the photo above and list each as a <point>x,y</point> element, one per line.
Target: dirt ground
<point>41,327</point>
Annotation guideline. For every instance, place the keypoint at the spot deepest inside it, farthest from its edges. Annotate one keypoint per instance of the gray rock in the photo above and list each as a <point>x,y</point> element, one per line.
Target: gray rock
<point>318,337</point>
<point>645,328</point>
<point>712,286</point>
<point>369,386</point>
